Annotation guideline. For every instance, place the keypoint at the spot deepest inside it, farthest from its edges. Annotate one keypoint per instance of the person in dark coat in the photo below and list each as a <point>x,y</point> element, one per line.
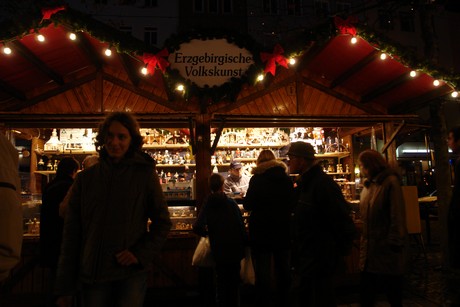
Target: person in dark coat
<point>453,222</point>
<point>51,224</point>
<point>108,246</point>
<point>322,229</point>
<point>384,232</point>
<point>221,220</point>
<point>269,198</point>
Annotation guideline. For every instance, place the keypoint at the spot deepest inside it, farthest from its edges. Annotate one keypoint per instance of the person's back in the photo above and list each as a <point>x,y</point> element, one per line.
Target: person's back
<point>10,208</point>
<point>221,219</point>
<point>51,224</point>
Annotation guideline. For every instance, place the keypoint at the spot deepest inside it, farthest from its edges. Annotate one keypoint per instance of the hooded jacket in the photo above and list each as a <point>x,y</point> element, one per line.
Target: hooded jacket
<point>269,198</point>
<point>221,219</point>
<point>109,205</point>
<point>384,230</point>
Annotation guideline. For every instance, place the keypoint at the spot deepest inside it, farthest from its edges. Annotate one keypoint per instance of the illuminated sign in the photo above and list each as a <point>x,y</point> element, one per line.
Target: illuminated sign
<point>210,62</point>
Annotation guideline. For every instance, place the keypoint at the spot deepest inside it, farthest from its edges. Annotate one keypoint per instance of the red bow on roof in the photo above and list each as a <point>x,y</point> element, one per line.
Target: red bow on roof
<point>154,60</point>
<point>47,12</point>
<point>274,58</point>
<point>346,26</point>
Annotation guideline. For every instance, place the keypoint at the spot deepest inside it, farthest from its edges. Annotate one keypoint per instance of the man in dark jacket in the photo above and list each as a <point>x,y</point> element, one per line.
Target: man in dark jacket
<point>453,226</point>
<point>321,227</point>
<point>51,224</point>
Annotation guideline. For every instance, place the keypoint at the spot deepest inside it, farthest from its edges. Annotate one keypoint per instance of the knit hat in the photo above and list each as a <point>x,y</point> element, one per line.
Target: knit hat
<point>302,149</point>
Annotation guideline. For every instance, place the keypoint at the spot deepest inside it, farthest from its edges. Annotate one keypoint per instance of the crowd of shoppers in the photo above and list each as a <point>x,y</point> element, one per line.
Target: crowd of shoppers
<point>300,229</point>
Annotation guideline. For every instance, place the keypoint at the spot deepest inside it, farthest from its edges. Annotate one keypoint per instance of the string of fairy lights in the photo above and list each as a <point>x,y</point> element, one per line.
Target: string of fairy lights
<point>291,61</point>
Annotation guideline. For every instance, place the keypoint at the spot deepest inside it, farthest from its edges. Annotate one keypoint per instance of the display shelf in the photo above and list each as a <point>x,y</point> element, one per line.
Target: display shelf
<point>45,173</point>
<point>339,155</point>
<point>252,146</point>
<point>166,146</point>
<point>161,165</point>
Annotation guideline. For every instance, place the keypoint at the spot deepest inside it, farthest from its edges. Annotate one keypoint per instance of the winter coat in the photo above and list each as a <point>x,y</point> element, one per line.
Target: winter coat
<point>384,231</point>
<point>51,224</point>
<point>453,222</point>
<point>269,198</point>
<point>320,224</point>
<point>10,208</point>
<point>221,220</point>
<point>109,205</point>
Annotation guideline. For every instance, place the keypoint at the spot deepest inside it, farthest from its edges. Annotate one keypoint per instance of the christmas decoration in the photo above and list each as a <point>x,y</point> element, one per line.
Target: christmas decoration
<point>156,60</point>
<point>48,12</point>
<point>274,58</point>
<point>346,26</point>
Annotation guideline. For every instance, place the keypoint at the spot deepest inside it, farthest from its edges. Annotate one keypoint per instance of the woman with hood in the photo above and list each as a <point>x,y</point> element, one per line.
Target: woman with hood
<point>384,230</point>
<point>221,220</point>
<point>269,198</point>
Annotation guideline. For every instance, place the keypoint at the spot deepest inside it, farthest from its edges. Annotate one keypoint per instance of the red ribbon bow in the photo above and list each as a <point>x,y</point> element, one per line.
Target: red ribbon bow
<point>156,60</point>
<point>274,58</point>
<point>48,12</point>
<point>345,26</point>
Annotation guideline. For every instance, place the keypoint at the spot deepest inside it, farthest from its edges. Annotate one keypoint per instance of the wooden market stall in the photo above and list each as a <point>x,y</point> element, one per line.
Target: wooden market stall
<point>66,83</point>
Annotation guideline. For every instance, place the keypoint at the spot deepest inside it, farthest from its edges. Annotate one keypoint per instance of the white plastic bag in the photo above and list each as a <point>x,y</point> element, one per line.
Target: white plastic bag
<point>202,255</point>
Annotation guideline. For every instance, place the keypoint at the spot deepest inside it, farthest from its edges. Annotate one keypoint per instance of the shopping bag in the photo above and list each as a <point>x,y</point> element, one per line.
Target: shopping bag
<point>202,255</point>
<point>247,269</point>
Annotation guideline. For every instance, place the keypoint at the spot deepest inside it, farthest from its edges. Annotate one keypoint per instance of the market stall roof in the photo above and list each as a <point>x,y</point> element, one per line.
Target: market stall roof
<point>74,77</point>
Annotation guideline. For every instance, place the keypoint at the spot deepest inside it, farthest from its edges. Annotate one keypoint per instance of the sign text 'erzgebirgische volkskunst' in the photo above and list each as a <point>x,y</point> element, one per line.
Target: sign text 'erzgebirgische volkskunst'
<point>210,62</point>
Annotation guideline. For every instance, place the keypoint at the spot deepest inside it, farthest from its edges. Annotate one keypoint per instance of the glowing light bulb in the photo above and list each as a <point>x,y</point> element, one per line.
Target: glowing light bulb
<point>292,61</point>
<point>413,73</point>
<point>383,56</point>
<point>353,40</point>
<point>72,36</point>
<point>180,87</point>
<point>6,50</point>
<point>144,71</point>
<point>436,82</point>
<point>40,38</point>
<point>454,94</point>
<point>260,77</point>
<point>108,52</point>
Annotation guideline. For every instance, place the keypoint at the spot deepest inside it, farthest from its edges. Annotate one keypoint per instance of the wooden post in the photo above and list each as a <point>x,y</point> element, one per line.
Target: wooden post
<point>390,153</point>
<point>442,169</point>
<point>202,156</point>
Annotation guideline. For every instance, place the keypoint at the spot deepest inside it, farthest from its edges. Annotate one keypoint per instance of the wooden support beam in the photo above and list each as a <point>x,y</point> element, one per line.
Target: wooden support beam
<point>340,96</point>
<point>157,99</point>
<point>232,106</point>
<point>11,91</point>
<point>27,54</point>
<point>398,81</point>
<point>393,136</point>
<point>390,150</point>
<point>354,69</point>
<point>412,105</point>
<point>17,106</point>
<point>218,134</point>
<point>133,73</point>
<point>84,45</point>
<point>99,91</point>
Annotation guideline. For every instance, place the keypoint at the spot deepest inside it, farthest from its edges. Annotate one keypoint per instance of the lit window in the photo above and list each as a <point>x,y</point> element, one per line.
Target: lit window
<point>294,7</point>
<point>151,35</point>
<point>270,7</point>
<point>126,29</point>
<point>407,22</point>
